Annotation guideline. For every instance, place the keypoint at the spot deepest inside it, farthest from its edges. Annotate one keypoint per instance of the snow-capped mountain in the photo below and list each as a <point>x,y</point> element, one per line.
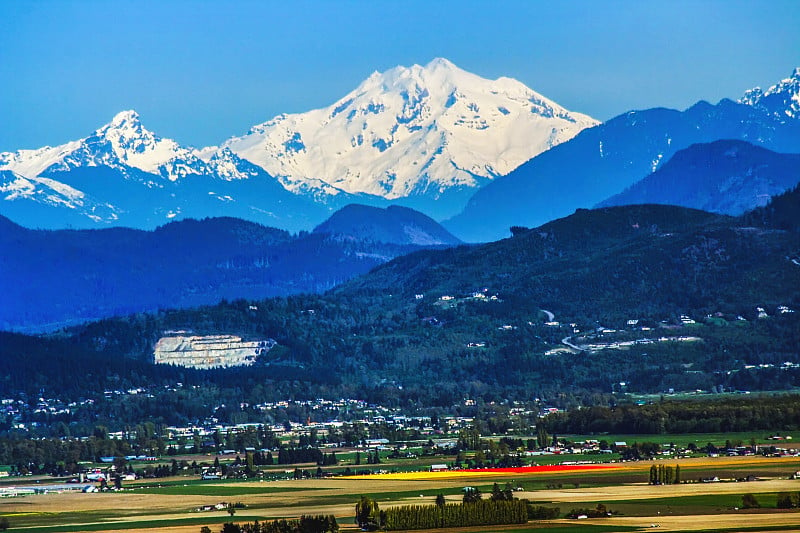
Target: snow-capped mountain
<point>411,131</point>
<point>781,100</point>
<point>124,144</point>
<point>607,159</point>
<point>125,174</point>
<point>49,195</point>
<point>425,137</point>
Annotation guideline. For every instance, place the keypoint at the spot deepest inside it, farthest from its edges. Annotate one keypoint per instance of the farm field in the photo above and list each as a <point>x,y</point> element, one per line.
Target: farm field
<point>171,504</point>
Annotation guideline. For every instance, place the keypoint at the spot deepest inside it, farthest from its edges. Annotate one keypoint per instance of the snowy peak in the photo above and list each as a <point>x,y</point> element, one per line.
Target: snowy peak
<point>411,131</point>
<point>226,165</point>
<point>438,75</point>
<point>781,100</point>
<point>122,144</point>
<point>123,118</point>
<point>124,168</point>
<point>126,145</point>
<point>126,141</point>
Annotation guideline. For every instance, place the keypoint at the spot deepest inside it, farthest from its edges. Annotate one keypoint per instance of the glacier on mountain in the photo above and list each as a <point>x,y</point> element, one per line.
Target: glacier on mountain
<point>409,131</point>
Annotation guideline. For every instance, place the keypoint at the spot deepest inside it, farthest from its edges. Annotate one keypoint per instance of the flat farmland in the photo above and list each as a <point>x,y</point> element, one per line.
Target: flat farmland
<point>171,504</point>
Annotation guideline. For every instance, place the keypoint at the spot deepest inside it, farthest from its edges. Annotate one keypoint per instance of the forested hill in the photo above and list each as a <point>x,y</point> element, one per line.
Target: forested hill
<point>727,176</point>
<point>394,224</point>
<point>612,263</point>
<point>56,278</point>
<point>507,320</point>
<point>782,212</point>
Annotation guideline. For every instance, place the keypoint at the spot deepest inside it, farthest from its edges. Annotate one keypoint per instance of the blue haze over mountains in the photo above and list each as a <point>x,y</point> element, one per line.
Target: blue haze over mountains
<point>97,186</point>
<point>611,157</point>
<point>726,176</point>
<point>728,158</point>
<point>55,278</point>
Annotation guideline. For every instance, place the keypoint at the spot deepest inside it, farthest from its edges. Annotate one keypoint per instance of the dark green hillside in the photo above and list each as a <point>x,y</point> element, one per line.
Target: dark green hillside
<point>783,212</point>
<point>49,279</point>
<point>612,264</point>
<point>693,280</point>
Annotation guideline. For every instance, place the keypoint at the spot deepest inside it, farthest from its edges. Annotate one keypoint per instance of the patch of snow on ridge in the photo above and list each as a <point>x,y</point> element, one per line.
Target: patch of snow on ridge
<point>782,99</point>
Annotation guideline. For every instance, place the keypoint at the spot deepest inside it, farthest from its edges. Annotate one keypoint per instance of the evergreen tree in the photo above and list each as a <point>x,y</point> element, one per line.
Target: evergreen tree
<point>497,494</point>
<point>541,436</point>
<point>472,495</point>
<point>749,501</point>
<point>784,501</point>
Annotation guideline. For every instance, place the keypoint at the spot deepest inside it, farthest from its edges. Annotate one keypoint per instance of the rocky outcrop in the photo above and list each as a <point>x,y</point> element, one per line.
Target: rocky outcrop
<point>209,351</point>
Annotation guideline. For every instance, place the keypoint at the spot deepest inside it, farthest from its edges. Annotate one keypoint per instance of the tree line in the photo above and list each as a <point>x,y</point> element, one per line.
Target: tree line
<point>369,516</point>
<point>305,524</point>
<point>665,475</point>
<point>682,416</point>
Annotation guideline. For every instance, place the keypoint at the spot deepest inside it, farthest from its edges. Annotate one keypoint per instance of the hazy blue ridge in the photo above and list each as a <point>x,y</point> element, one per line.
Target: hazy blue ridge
<point>608,158</point>
<point>727,176</point>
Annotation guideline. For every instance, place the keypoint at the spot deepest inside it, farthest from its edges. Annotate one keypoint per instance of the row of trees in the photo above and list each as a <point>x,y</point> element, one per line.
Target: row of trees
<point>785,500</point>
<point>62,456</point>
<point>482,513</point>
<point>305,524</point>
<point>665,475</point>
<point>686,416</point>
<point>477,513</point>
<point>288,456</point>
<point>601,511</point>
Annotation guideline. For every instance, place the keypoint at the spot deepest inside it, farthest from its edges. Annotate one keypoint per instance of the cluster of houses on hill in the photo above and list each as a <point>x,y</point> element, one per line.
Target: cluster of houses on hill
<point>294,417</point>
<point>25,413</point>
<point>321,430</point>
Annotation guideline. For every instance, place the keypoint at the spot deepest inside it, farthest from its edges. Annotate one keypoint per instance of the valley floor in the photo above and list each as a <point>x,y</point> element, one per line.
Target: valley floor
<point>170,504</point>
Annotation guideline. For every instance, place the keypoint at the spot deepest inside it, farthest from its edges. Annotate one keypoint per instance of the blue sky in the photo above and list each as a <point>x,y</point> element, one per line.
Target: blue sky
<point>200,72</point>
